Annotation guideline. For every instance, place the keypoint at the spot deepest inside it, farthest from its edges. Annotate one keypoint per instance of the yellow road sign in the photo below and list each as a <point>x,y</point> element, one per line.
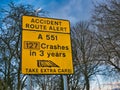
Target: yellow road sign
<point>46,51</point>
<point>45,24</point>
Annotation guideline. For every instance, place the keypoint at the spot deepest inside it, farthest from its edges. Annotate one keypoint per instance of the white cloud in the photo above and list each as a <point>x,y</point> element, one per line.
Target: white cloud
<point>73,10</point>
<point>69,11</point>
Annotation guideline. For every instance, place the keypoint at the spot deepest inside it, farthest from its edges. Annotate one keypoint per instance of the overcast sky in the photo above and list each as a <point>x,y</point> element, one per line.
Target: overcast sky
<point>73,10</point>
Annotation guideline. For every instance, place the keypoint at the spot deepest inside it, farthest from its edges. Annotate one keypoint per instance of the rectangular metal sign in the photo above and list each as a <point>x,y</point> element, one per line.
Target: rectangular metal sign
<point>46,46</point>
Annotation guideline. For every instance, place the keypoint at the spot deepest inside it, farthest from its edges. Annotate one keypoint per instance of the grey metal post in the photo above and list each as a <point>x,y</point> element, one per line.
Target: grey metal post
<point>29,82</point>
<point>65,82</point>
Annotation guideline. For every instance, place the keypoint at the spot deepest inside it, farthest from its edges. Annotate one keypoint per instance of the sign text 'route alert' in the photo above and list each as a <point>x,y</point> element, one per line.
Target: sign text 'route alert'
<point>46,46</point>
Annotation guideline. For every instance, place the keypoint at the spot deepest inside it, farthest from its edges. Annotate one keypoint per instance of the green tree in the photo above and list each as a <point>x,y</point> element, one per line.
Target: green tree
<point>47,82</point>
<point>106,19</point>
<point>10,40</point>
<point>85,53</point>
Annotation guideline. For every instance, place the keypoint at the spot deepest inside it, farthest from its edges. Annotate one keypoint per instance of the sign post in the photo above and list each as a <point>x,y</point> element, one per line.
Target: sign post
<point>29,82</point>
<point>46,46</point>
<point>65,82</point>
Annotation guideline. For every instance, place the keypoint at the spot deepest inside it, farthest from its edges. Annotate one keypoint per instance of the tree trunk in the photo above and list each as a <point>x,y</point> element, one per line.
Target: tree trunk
<point>19,82</point>
<point>62,83</point>
<point>87,83</point>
